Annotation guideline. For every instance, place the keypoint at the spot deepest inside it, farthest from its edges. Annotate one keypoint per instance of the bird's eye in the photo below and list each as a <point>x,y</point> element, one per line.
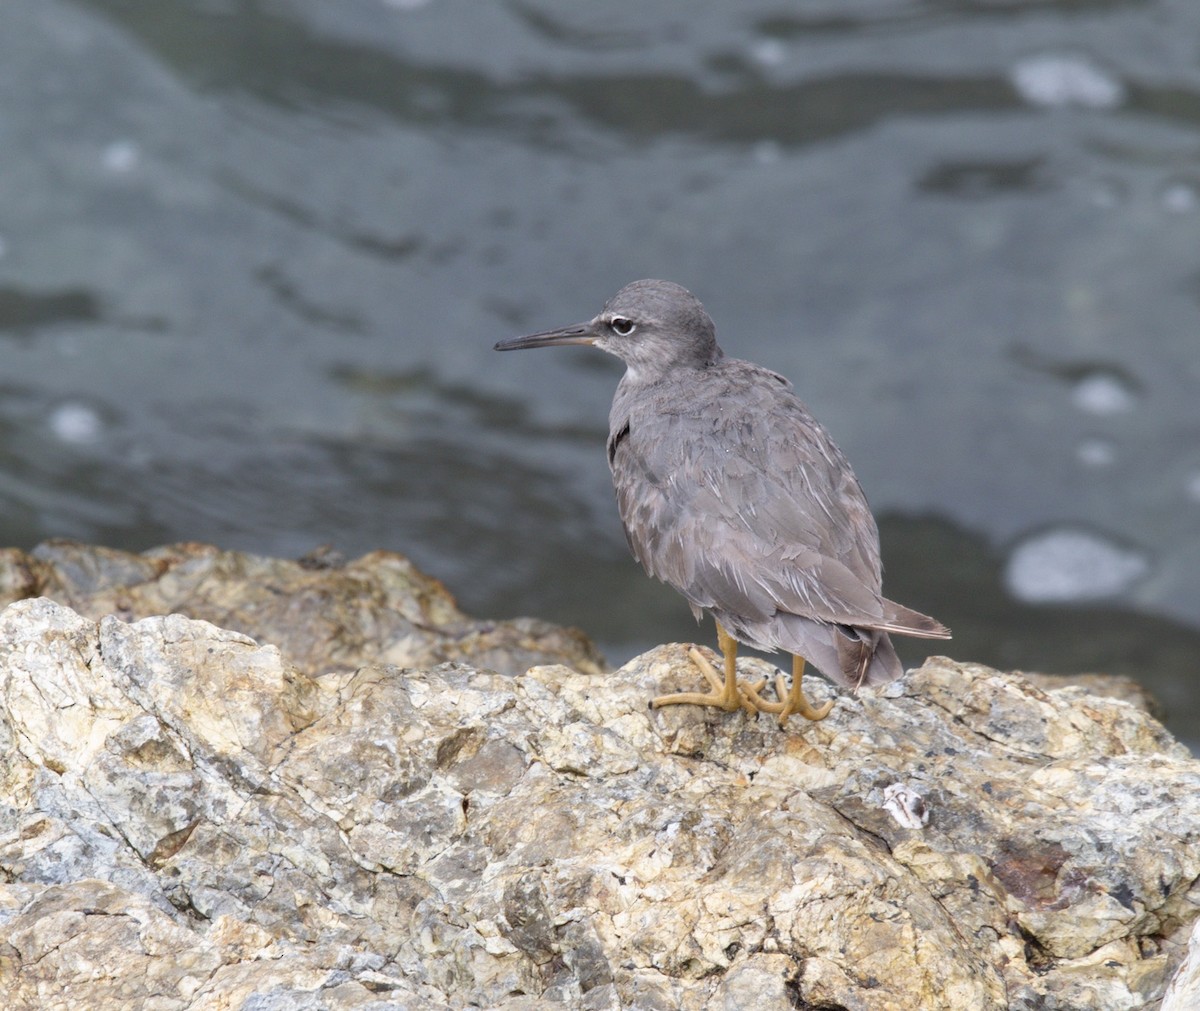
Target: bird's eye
<point>621,326</point>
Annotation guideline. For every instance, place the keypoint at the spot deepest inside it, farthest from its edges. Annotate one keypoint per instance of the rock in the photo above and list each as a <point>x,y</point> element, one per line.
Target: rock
<point>1183,993</point>
<point>1113,686</point>
<point>189,821</point>
<point>326,614</point>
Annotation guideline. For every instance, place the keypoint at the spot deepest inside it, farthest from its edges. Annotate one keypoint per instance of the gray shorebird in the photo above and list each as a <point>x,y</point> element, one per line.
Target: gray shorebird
<point>734,494</point>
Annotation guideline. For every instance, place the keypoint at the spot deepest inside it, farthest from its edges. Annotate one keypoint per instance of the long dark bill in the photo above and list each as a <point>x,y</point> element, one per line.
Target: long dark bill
<point>580,333</point>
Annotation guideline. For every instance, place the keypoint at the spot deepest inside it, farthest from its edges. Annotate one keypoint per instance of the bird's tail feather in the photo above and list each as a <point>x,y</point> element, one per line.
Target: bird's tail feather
<point>905,621</point>
<point>866,658</point>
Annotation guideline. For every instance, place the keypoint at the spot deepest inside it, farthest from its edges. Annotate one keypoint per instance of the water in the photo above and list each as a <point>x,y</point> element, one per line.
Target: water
<point>1065,565</point>
<point>253,257</point>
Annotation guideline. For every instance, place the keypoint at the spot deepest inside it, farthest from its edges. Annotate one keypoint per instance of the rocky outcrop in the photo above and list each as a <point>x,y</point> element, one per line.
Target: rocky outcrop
<point>189,820</point>
<point>325,613</point>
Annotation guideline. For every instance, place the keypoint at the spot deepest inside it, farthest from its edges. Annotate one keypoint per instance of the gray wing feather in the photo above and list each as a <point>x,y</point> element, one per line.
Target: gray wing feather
<point>734,494</point>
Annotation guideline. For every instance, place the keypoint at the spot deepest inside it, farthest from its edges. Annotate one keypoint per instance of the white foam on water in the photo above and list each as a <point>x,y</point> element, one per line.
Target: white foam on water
<point>75,423</point>
<point>121,156</point>
<point>1103,393</point>
<point>1068,564</point>
<point>1054,80</point>
<point>1179,197</point>
<point>768,52</point>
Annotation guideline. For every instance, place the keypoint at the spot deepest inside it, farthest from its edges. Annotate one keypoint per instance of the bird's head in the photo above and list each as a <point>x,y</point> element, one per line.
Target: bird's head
<point>652,326</point>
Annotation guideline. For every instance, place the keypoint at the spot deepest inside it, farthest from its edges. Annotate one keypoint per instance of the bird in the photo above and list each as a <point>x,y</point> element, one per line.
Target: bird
<point>731,492</point>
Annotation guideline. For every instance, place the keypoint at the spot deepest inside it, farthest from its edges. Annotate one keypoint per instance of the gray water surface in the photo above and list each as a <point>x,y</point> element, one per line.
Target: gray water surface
<point>254,255</point>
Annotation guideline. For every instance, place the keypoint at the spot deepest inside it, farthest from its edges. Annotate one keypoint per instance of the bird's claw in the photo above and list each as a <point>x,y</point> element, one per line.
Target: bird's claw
<point>732,694</point>
<point>728,693</point>
<point>792,700</point>
<point>723,695</point>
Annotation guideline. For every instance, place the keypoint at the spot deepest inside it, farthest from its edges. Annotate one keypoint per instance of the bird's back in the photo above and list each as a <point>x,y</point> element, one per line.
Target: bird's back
<point>734,494</point>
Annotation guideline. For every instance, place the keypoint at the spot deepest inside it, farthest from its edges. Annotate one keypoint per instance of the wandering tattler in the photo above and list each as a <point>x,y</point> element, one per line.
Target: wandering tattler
<point>734,494</point>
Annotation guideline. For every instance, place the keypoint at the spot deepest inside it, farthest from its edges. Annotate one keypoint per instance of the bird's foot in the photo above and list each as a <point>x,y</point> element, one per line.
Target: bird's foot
<point>726,694</point>
<point>791,700</point>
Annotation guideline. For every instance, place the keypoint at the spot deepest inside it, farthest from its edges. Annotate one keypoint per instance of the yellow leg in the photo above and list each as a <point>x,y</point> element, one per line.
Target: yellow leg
<point>793,700</point>
<point>726,693</point>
